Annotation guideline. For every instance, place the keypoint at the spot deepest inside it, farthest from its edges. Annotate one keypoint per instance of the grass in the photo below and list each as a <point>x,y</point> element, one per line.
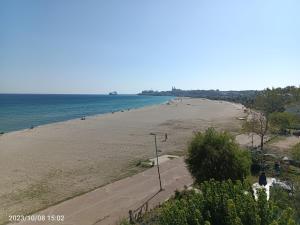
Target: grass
<point>275,139</point>
<point>144,163</point>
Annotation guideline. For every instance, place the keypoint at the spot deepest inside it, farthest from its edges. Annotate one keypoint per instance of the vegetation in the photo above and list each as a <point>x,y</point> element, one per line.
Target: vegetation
<point>285,96</point>
<point>227,199</point>
<point>257,123</point>
<point>294,108</point>
<point>145,163</point>
<point>286,200</point>
<point>219,203</point>
<point>217,155</point>
<point>269,101</point>
<point>256,163</point>
<point>280,122</point>
<point>244,97</point>
<point>296,152</point>
<point>270,112</point>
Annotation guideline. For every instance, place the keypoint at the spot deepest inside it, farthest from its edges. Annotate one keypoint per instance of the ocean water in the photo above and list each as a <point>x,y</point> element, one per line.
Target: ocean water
<point>21,111</point>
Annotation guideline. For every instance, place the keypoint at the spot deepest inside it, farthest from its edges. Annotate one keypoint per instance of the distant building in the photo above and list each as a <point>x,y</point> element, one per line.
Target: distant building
<point>175,89</point>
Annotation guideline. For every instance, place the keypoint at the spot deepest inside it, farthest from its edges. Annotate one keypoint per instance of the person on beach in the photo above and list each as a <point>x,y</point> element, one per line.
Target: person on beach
<point>166,137</point>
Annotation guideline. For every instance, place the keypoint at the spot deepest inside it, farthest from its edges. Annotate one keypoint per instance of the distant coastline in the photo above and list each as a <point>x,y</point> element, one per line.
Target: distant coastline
<point>245,97</point>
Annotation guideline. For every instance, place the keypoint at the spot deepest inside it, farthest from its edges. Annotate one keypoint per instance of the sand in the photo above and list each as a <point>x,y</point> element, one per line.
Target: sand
<point>111,203</point>
<point>51,163</point>
<point>282,147</point>
<point>245,140</point>
<point>287,142</point>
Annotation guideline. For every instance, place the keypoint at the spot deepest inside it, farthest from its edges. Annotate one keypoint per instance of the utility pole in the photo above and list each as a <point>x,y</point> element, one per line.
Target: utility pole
<point>156,151</point>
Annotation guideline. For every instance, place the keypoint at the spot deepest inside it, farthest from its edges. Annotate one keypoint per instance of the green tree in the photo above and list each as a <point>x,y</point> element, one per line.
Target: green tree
<point>217,155</point>
<point>266,102</point>
<point>270,101</point>
<point>281,121</point>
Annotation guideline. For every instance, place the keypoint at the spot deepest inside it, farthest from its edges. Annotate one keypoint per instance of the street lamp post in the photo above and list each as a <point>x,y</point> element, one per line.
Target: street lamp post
<point>156,151</point>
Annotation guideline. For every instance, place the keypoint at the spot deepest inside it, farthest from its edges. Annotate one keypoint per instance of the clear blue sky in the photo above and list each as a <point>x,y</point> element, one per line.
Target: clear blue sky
<point>72,46</point>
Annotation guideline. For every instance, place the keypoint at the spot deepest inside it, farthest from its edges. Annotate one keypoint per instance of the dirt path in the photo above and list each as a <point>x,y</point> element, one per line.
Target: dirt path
<point>286,142</point>
<point>282,146</point>
<point>108,204</point>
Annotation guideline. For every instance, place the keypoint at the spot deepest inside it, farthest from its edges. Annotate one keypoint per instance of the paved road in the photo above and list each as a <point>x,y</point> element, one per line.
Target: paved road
<point>108,204</point>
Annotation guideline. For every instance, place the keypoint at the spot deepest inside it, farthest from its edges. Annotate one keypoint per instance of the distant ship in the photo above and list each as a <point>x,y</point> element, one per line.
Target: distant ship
<point>113,93</point>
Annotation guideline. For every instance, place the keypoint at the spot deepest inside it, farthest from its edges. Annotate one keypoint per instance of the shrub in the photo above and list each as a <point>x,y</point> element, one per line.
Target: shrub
<point>217,155</point>
<point>223,203</point>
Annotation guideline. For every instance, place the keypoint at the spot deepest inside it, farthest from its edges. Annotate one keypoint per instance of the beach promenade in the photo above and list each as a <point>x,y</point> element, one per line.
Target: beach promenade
<point>108,204</point>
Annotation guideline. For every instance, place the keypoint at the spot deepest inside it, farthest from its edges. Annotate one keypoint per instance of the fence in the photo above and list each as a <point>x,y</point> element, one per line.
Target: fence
<point>137,214</point>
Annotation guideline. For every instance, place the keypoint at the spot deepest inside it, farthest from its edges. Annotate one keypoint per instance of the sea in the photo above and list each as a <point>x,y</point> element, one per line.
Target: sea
<point>23,111</point>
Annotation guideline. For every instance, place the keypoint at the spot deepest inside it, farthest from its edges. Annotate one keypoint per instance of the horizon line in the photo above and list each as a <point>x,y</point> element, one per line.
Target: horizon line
<point>107,93</point>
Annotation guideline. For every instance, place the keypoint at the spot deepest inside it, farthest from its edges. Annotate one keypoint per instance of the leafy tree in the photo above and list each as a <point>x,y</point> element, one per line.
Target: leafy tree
<point>270,101</point>
<point>267,102</point>
<point>281,121</point>
<point>270,104</point>
<point>217,155</point>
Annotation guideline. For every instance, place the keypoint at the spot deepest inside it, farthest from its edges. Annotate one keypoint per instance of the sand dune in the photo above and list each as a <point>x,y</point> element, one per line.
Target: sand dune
<point>50,163</point>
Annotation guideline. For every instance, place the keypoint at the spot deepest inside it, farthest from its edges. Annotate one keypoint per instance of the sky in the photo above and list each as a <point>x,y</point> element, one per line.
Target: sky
<point>85,46</point>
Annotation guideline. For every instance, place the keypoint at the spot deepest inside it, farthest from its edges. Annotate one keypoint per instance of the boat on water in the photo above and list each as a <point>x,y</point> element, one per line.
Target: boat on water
<point>113,93</point>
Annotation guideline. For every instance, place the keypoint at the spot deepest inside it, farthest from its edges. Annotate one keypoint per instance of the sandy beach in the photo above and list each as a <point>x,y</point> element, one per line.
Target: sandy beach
<point>54,162</point>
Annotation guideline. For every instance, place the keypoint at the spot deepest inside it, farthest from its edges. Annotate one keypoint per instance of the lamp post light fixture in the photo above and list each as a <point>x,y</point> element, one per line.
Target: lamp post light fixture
<point>156,151</point>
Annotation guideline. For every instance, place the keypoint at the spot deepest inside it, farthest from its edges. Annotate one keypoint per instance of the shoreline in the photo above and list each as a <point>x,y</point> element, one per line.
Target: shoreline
<point>87,117</point>
<point>109,113</point>
<point>37,165</point>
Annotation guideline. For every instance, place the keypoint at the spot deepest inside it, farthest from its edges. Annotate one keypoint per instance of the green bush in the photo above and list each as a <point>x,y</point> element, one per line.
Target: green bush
<point>223,203</point>
<point>217,155</point>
